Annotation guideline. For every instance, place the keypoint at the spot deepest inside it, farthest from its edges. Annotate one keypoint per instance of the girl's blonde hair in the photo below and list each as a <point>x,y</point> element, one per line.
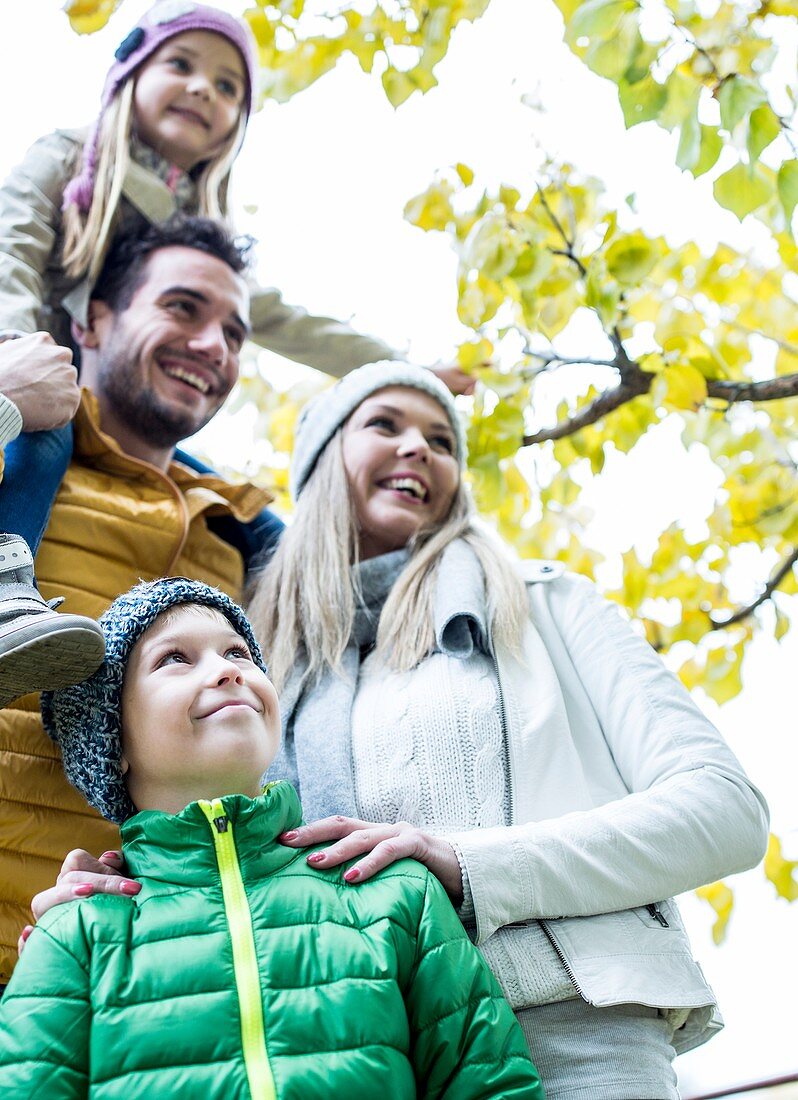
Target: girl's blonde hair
<point>88,234</point>
<point>305,598</point>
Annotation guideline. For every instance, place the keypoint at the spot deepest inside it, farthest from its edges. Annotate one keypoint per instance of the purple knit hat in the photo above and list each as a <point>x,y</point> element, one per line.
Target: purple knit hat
<point>163,21</point>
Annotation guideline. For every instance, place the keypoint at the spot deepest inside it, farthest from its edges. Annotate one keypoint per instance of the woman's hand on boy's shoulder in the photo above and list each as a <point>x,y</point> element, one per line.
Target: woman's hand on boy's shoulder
<point>380,845</point>
<point>82,875</point>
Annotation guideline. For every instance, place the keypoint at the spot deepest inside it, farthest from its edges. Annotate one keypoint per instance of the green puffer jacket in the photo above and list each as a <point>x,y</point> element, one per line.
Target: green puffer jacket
<point>238,972</point>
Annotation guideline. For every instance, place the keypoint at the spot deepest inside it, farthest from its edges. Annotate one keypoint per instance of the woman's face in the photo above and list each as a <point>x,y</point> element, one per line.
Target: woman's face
<point>399,456</point>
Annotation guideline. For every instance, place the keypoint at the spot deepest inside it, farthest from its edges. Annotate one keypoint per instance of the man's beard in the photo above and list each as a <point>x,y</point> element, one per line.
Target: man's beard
<point>158,423</point>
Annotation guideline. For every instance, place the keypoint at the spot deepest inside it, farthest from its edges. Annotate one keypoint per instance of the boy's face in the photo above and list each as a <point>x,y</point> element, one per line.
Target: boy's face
<point>199,718</point>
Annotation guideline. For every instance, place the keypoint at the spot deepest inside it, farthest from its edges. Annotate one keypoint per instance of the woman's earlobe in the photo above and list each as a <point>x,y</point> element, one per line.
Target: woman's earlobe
<point>124,766</point>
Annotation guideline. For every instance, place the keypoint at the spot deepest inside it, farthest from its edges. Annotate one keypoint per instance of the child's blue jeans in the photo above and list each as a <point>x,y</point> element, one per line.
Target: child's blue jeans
<point>35,464</point>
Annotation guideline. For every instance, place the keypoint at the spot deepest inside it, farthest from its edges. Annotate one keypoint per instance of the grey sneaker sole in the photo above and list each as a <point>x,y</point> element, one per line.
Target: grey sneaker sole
<point>69,650</point>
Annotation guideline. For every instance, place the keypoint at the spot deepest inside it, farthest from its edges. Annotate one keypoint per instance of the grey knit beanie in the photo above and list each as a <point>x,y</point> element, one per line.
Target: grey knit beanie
<point>85,719</point>
<point>325,413</point>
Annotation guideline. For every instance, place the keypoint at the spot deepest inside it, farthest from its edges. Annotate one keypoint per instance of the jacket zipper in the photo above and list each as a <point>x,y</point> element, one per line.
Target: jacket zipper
<point>566,965</point>
<point>656,914</point>
<point>245,963</point>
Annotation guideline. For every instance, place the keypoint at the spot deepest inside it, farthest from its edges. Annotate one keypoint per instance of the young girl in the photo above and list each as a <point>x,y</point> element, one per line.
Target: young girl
<point>173,113</point>
<point>236,971</point>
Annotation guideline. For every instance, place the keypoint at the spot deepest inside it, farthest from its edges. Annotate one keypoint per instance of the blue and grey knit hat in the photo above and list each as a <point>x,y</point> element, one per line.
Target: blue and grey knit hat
<point>85,719</point>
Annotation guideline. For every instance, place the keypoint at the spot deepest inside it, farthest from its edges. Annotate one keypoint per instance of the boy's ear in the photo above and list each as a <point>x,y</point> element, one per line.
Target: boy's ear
<point>88,337</point>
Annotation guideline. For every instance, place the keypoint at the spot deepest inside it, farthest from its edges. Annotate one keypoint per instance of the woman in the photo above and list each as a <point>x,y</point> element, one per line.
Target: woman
<point>505,727</point>
<point>502,725</point>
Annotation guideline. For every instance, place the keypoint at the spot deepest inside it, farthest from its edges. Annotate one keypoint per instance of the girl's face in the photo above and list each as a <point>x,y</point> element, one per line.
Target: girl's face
<point>399,456</point>
<point>189,96</point>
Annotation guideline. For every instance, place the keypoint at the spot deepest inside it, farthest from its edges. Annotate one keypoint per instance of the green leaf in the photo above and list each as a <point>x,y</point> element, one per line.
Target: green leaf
<point>641,101</point>
<point>738,97</point>
<point>683,93</point>
<point>763,127</point>
<point>710,150</point>
<point>602,294</point>
<point>690,138</point>
<point>742,191</point>
<point>787,183</point>
<point>631,258</point>
<point>596,17</point>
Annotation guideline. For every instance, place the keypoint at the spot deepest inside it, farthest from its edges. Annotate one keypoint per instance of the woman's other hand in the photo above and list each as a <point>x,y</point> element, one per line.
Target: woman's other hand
<point>82,875</point>
<point>379,845</point>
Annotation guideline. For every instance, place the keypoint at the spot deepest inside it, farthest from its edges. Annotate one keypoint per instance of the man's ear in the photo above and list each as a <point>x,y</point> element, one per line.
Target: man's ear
<point>88,337</point>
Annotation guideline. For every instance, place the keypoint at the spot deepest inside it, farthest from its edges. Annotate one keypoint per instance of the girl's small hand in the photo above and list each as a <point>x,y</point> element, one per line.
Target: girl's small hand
<point>457,380</point>
<point>380,845</point>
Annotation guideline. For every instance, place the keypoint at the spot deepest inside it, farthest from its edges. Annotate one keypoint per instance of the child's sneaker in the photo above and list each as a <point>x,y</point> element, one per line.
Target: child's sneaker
<point>40,650</point>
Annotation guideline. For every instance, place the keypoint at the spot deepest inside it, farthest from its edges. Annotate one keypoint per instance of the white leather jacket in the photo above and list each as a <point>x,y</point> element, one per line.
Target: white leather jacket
<point>622,794</point>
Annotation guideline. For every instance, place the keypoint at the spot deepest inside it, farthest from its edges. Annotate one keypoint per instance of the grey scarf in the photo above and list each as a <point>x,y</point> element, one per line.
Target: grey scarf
<point>316,753</point>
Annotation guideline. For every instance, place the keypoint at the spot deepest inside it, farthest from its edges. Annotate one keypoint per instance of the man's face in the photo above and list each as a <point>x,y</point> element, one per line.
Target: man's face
<point>166,363</point>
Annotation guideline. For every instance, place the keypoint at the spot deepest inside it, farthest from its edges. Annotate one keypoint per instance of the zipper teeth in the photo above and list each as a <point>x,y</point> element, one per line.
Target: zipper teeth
<point>571,976</point>
<point>245,963</point>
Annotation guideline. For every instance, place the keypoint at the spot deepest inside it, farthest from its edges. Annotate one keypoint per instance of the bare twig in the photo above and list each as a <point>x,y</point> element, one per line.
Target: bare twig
<point>551,356</point>
<point>765,594</point>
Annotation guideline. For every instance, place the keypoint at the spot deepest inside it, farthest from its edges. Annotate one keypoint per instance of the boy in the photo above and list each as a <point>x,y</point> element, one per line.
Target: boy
<point>236,971</point>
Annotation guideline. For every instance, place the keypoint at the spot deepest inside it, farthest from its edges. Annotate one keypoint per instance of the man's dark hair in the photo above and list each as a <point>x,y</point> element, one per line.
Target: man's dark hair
<point>124,268</point>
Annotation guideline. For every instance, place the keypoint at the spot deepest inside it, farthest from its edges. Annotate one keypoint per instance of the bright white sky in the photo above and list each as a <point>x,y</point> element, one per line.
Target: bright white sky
<point>329,174</point>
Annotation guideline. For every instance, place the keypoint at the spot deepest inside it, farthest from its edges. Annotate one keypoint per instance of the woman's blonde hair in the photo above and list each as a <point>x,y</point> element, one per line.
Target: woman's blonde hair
<point>305,598</point>
<point>88,234</point>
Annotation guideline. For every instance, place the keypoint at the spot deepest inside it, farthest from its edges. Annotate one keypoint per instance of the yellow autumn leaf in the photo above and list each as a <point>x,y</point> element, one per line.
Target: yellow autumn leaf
<point>780,871</point>
<point>473,354</point>
<point>681,386</point>
<point>88,16</point>
<point>721,899</point>
<point>281,426</point>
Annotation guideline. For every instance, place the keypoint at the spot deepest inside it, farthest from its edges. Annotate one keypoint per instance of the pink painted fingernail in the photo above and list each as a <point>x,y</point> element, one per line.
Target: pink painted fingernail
<point>316,857</point>
<point>26,931</point>
<point>292,834</point>
<point>115,856</point>
<point>130,888</point>
<point>85,890</point>
<point>352,875</point>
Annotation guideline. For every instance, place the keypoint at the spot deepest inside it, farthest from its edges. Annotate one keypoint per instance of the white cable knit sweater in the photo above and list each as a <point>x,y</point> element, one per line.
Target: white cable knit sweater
<point>451,781</point>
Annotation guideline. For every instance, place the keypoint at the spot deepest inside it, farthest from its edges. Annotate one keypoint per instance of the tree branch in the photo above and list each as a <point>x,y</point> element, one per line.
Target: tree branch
<point>765,595</point>
<point>771,389</point>
<point>607,402</point>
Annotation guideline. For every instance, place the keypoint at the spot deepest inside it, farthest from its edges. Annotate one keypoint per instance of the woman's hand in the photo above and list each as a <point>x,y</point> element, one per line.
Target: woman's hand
<point>82,875</point>
<point>380,845</point>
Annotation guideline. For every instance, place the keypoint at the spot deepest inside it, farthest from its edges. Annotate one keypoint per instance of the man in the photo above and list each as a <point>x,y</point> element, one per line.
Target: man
<point>159,356</point>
